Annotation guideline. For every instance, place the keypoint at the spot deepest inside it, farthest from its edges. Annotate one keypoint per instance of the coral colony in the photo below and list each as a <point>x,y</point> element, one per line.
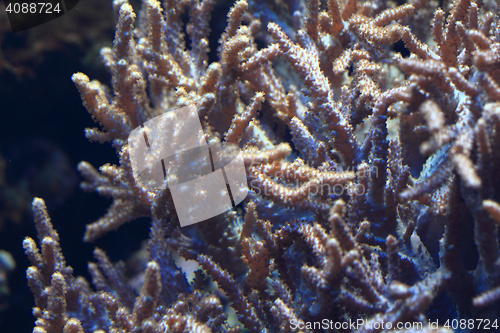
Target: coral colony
<point>370,133</point>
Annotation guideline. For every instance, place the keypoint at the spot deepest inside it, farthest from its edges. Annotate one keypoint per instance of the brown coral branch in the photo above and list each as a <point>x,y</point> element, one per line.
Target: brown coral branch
<point>246,313</point>
<point>240,122</point>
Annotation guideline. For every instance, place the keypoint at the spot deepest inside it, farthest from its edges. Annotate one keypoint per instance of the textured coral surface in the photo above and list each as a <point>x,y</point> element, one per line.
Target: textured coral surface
<point>370,133</point>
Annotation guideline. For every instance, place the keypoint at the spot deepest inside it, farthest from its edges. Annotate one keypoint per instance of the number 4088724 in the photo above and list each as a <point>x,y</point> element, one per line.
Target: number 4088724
<point>33,8</point>
<point>484,324</point>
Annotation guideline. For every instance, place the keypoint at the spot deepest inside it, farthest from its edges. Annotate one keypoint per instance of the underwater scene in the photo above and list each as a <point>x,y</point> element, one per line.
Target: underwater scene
<point>249,166</point>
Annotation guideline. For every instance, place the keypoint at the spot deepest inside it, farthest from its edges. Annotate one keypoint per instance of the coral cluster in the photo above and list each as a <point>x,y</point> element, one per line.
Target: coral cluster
<point>370,143</point>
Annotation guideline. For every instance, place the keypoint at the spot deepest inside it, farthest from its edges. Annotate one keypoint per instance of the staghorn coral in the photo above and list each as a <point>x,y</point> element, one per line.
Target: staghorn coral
<point>341,224</point>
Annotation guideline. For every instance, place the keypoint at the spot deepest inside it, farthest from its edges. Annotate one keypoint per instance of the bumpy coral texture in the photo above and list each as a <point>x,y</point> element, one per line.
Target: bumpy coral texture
<point>371,136</point>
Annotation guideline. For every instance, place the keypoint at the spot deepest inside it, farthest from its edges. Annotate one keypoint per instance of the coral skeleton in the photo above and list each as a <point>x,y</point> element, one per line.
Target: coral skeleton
<point>370,134</point>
